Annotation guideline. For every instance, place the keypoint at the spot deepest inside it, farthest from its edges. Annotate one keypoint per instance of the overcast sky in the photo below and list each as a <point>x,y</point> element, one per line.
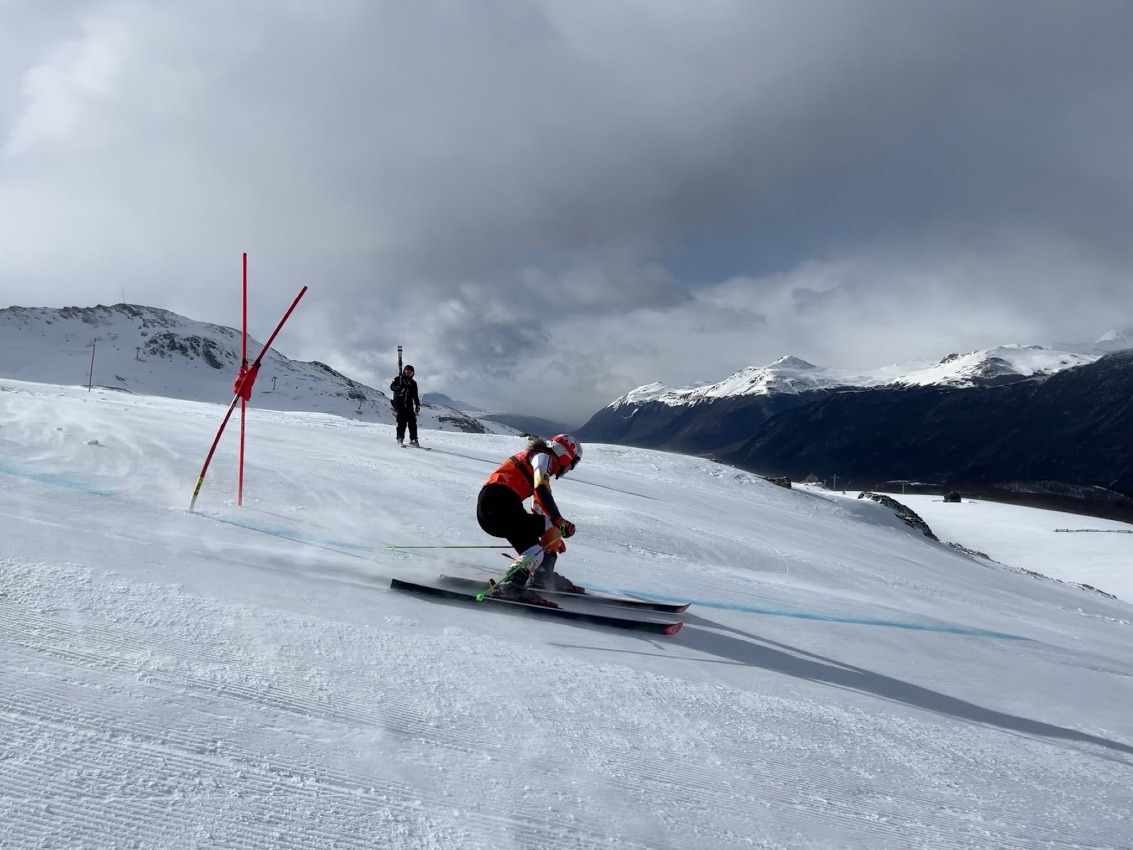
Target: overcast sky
<point>550,203</point>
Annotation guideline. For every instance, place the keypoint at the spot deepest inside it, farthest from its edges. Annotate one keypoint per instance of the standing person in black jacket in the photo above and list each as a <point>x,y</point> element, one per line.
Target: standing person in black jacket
<point>406,404</point>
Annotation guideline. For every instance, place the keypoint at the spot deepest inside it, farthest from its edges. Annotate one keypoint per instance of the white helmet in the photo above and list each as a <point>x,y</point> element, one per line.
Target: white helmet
<point>568,450</point>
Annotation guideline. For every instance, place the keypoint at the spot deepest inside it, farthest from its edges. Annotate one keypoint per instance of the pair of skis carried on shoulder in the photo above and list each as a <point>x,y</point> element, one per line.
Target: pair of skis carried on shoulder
<point>622,612</point>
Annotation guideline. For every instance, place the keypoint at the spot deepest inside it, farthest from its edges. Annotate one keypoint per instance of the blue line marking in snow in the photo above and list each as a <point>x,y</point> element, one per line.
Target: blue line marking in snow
<point>826,618</point>
<point>82,487</point>
<point>288,534</point>
<point>55,480</point>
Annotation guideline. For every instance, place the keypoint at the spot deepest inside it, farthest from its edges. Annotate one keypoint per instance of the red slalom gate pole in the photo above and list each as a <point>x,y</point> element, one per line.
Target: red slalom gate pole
<point>249,376</point>
<point>243,403</point>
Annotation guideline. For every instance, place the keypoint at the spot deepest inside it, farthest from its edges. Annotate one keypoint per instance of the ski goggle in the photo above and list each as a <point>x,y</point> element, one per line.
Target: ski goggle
<point>563,470</point>
<point>561,454</point>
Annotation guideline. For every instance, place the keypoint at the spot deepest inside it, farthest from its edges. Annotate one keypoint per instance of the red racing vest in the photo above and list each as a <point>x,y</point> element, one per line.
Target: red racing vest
<point>517,474</point>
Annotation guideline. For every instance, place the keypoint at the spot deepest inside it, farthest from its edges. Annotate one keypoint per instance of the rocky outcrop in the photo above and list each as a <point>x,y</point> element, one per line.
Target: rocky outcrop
<point>906,514</point>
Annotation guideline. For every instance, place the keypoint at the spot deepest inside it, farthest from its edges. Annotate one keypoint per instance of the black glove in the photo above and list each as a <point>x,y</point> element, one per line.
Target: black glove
<point>418,410</point>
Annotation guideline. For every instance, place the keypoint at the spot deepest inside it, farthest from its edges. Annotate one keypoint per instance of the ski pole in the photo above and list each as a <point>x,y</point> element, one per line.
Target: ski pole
<point>452,546</point>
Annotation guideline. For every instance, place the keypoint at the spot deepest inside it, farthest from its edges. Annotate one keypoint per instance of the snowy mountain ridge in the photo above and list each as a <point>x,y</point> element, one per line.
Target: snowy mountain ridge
<point>792,375</point>
<point>153,351</point>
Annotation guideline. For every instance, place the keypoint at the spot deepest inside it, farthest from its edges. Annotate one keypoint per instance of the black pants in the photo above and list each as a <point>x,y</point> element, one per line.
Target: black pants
<point>406,418</point>
<point>500,512</point>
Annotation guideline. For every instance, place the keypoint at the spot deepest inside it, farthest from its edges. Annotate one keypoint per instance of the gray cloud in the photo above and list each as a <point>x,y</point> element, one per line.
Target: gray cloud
<point>605,193</point>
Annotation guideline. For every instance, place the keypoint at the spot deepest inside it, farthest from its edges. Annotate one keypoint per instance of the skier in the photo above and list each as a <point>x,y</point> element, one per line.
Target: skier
<point>536,534</point>
<point>406,404</point>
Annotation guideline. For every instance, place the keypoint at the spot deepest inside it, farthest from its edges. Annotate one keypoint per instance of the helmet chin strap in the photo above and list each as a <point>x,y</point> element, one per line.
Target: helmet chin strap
<point>558,450</point>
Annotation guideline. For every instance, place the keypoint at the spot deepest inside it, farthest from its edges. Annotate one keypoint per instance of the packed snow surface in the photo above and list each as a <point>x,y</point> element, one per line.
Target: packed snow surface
<point>243,677</point>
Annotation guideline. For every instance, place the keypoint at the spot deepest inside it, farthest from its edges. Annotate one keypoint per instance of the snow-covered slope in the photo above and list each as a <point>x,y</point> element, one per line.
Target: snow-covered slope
<point>1068,547</point>
<point>791,375</point>
<point>243,677</point>
<point>151,351</point>
<point>1084,550</point>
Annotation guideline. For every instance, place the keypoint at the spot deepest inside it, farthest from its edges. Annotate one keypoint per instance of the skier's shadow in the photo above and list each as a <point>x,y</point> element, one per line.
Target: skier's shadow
<point>737,647</point>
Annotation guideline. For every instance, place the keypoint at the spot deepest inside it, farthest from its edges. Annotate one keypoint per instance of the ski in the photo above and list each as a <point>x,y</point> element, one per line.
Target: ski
<point>477,585</point>
<point>646,622</point>
<point>422,448</point>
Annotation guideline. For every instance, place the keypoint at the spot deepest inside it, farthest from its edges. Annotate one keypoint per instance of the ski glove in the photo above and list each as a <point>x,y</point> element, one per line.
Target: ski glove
<point>418,410</point>
<point>566,527</point>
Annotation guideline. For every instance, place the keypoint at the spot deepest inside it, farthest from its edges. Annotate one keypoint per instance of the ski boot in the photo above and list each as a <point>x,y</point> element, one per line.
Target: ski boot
<point>514,585</point>
<point>546,578</point>
<point>517,591</point>
<point>520,570</point>
<point>550,580</point>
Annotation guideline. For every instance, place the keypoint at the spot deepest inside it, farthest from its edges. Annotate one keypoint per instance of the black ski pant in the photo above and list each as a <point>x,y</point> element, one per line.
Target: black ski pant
<point>500,512</point>
<point>406,418</point>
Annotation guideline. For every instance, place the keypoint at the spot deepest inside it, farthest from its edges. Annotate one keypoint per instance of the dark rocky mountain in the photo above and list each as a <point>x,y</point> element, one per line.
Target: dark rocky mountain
<point>718,417</point>
<point>1027,421</point>
<point>707,426</point>
<point>1069,432</point>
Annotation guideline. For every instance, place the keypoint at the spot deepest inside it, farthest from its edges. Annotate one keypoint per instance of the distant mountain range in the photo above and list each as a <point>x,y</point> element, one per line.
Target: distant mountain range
<point>151,351</point>
<point>1011,416</point>
<point>1072,428</point>
<point>518,421</point>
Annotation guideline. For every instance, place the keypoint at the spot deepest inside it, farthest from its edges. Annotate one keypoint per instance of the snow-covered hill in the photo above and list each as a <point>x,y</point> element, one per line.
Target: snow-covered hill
<point>1004,364</point>
<point>1067,547</point>
<point>243,677</point>
<point>150,351</point>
